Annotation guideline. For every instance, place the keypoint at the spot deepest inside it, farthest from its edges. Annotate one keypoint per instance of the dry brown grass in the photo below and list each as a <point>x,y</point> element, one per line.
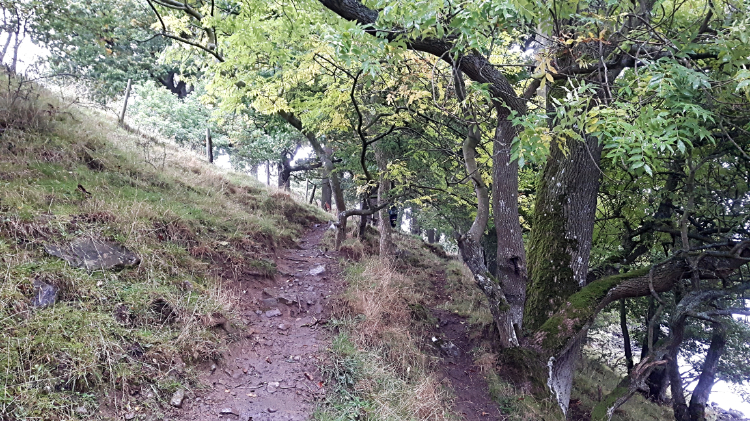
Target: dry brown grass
<point>395,377</point>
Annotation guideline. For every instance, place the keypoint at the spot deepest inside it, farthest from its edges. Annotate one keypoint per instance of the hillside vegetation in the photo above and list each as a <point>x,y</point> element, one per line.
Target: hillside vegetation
<point>67,173</point>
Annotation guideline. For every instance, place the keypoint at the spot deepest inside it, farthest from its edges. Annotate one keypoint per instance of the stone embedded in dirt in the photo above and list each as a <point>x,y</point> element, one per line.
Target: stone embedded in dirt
<point>270,302</point>
<point>129,416</point>
<point>177,398</point>
<point>94,254</point>
<point>273,313</point>
<point>287,300</point>
<point>272,410</point>
<point>228,411</point>
<point>81,410</point>
<point>283,327</point>
<point>318,270</point>
<point>45,294</point>
<point>272,386</point>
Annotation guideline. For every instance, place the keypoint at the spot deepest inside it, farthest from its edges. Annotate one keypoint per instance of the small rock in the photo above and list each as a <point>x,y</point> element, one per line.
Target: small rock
<point>129,416</point>
<point>273,313</point>
<point>45,294</point>
<point>270,302</point>
<point>287,300</point>
<point>272,386</point>
<point>272,410</point>
<point>213,367</point>
<point>81,410</point>
<point>318,270</point>
<point>258,312</point>
<point>177,398</point>
<point>283,327</point>
<point>228,411</point>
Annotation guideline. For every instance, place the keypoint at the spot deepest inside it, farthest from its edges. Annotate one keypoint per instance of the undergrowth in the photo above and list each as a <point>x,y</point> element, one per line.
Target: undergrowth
<point>113,335</point>
<point>380,365</point>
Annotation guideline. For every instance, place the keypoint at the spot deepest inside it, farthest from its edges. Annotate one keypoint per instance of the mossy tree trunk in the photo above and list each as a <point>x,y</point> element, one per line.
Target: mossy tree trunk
<point>563,223</point>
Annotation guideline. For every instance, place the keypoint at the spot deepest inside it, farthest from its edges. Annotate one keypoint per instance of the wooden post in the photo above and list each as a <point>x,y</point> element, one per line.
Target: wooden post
<point>268,173</point>
<point>125,104</point>
<point>209,146</point>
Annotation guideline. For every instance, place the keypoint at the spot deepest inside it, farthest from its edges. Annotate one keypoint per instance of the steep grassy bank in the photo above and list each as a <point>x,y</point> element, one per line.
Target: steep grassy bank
<point>118,340</point>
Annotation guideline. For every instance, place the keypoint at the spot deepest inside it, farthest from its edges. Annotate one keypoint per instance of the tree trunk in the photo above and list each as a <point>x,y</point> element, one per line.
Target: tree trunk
<point>312,196</point>
<point>414,227</point>
<point>254,171</point>
<point>364,204</point>
<point>209,146</point>
<point>387,248</point>
<point>125,103</point>
<point>626,336</point>
<point>268,173</point>
<point>20,30</point>
<point>697,408</point>
<point>5,46</point>
<point>562,228</point>
<point>511,255</point>
<point>431,236</point>
<point>679,406</point>
<point>325,200</point>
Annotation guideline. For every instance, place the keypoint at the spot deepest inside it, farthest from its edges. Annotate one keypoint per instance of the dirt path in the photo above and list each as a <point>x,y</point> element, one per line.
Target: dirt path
<point>473,400</point>
<point>271,374</point>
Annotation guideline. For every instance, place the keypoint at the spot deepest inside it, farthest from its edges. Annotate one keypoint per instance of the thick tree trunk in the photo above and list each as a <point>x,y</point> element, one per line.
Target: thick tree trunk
<point>431,236</point>
<point>268,173</point>
<point>697,407</point>
<point>511,255</point>
<point>562,228</point>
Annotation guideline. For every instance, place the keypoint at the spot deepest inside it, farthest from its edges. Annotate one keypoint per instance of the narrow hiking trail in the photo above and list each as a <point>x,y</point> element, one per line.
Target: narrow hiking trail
<point>473,400</point>
<point>271,372</point>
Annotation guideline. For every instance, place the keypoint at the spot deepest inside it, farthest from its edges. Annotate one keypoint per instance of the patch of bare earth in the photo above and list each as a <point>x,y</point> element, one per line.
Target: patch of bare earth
<point>270,372</point>
<point>473,400</point>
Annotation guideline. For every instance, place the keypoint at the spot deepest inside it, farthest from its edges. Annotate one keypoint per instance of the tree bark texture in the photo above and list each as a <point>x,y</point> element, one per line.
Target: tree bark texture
<point>511,255</point>
<point>562,228</point>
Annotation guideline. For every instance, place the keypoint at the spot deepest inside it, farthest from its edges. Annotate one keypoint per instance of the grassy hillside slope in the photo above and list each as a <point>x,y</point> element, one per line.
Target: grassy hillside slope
<point>113,334</point>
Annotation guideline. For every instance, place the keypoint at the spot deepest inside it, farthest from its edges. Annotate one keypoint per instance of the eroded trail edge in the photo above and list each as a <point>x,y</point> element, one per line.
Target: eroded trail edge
<point>270,372</point>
